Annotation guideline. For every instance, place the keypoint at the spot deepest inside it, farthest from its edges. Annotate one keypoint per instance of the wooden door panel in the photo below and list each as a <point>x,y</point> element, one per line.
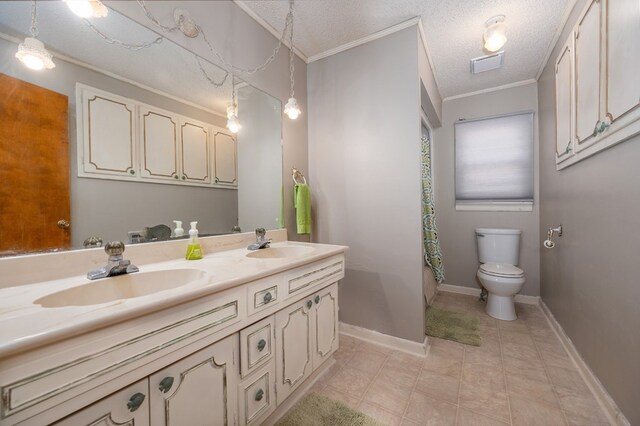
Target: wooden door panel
<point>194,139</point>
<point>224,147</point>
<point>159,144</point>
<point>326,324</point>
<point>564,99</point>
<point>34,167</point>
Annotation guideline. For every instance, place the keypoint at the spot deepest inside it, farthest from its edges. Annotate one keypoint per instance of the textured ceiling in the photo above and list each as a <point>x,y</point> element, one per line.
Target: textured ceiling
<point>453,30</point>
<point>165,66</point>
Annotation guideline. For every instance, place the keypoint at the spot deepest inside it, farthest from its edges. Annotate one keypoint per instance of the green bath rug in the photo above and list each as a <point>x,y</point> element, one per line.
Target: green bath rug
<point>317,410</point>
<point>454,326</point>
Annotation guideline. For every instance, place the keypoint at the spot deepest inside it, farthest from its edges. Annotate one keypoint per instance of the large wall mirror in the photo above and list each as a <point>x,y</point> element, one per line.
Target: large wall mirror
<point>99,91</point>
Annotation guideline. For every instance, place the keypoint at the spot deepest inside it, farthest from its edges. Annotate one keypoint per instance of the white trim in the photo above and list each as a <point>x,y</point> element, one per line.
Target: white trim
<point>118,77</point>
<point>428,52</point>
<point>471,291</point>
<point>556,37</point>
<point>377,338</point>
<point>382,33</point>
<point>507,206</point>
<point>242,5</point>
<point>616,417</point>
<point>492,89</point>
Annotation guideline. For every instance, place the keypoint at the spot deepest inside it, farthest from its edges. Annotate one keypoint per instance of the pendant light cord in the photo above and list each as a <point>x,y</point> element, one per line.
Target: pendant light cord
<point>291,67</point>
<point>34,25</point>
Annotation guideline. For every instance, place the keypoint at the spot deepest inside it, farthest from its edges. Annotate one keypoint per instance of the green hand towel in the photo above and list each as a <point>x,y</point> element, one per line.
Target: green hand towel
<point>302,203</point>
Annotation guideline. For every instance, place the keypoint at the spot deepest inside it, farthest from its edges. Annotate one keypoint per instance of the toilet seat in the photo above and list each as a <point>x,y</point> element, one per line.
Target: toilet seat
<point>501,270</point>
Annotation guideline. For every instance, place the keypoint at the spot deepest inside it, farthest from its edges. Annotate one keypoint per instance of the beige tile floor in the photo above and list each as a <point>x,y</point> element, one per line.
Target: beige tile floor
<point>520,375</point>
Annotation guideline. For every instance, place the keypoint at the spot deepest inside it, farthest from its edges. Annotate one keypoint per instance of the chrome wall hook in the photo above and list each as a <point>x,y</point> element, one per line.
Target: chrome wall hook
<point>548,243</point>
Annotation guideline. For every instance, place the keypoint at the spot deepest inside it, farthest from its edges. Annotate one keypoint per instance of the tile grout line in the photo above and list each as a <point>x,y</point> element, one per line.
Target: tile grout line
<point>504,373</point>
<point>464,351</point>
<point>413,389</point>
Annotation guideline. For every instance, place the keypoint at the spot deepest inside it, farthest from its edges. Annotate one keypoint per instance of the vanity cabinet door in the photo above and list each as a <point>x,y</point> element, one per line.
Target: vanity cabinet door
<point>106,134</point>
<point>564,101</point>
<point>325,319</point>
<point>194,152</point>
<point>623,58</point>
<point>129,406</point>
<point>200,389</point>
<point>587,74</point>
<point>158,144</point>
<point>224,159</point>
<point>293,347</point>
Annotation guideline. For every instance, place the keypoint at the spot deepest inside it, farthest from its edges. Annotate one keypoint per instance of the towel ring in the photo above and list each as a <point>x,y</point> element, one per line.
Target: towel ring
<point>296,176</point>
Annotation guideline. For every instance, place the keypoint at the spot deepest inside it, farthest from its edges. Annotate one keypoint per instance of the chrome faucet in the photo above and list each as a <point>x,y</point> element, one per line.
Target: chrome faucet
<point>261,241</point>
<point>116,265</point>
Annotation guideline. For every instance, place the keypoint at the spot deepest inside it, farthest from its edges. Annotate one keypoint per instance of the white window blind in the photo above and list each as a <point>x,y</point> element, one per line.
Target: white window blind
<point>494,159</point>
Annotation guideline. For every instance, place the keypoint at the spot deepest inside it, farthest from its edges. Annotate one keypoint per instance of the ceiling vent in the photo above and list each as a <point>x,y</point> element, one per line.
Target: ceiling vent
<point>487,63</point>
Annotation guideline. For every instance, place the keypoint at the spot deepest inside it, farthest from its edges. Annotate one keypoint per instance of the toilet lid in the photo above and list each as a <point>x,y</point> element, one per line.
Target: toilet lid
<point>501,270</point>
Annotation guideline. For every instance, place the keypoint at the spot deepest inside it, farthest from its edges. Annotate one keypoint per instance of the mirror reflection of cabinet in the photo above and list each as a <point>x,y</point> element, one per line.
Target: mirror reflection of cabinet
<point>225,159</point>
<point>194,145</point>
<point>158,144</point>
<point>564,99</point>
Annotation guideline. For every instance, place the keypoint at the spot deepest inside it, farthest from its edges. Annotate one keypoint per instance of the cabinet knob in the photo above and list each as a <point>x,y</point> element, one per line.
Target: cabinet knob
<point>135,401</point>
<point>317,299</point>
<point>63,224</point>
<point>184,177</point>
<point>259,394</point>
<point>165,384</point>
<point>261,344</point>
<point>176,177</point>
<point>132,172</point>
<point>267,297</point>
<point>309,304</point>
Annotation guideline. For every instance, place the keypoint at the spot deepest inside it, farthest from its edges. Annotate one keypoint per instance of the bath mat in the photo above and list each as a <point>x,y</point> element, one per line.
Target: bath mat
<point>317,410</point>
<point>455,326</point>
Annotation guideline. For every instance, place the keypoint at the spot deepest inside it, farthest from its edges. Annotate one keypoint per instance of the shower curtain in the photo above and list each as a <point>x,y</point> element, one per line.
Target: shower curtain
<point>432,253</point>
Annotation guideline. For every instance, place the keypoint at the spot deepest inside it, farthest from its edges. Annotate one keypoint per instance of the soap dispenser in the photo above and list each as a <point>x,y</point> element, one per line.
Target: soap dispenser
<point>179,231</point>
<point>194,251</point>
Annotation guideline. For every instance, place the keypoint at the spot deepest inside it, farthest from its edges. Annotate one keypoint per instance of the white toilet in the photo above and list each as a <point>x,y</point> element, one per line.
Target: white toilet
<point>498,252</point>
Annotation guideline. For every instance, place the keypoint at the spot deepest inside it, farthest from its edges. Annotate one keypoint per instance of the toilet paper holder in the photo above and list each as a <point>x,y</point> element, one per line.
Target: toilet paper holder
<point>548,243</point>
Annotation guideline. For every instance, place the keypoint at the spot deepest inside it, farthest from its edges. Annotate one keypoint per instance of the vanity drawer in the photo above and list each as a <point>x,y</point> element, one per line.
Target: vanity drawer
<point>264,294</point>
<point>308,277</point>
<point>256,345</point>
<point>256,396</point>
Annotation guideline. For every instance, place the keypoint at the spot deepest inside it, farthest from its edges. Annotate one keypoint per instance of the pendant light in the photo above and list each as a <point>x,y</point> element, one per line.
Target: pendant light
<point>291,108</point>
<point>495,34</point>
<point>87,8</point>
<point>32,52</point>
<point>233,124</point>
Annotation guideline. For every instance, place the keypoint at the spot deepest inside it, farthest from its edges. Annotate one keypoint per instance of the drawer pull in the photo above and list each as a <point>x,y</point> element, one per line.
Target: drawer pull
<point>135,401</point>
<point>165,384</point>
<point>317,299</point>
<point>267,297</point>
<point>261,344</point>
<point>309,304</point>
<point>259,394</point>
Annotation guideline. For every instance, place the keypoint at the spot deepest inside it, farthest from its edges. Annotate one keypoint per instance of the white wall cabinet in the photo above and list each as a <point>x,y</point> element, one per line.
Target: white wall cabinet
<point>306,335</point>
<point>600,61</point>
<point>123,139</point>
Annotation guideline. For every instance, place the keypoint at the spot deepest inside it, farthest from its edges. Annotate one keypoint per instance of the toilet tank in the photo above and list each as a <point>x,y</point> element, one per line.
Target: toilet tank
<point>498,245</point>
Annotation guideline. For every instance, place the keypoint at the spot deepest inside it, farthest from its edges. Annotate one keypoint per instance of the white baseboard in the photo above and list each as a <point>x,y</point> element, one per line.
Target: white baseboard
<point>616,417</point>
<point>396,343</point>
<point>520,298</point>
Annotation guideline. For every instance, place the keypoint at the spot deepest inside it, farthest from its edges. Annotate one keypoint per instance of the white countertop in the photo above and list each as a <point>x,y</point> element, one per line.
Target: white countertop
<point>25,325</point>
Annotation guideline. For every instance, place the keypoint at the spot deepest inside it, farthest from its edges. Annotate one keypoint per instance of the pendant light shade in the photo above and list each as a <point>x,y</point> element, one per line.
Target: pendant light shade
<point>33,54</point>
<point>233,124</point>
<point>292,109</point>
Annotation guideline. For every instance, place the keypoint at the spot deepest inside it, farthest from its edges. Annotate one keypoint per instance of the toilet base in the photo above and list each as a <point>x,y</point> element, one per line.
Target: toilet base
<point>501,307</point>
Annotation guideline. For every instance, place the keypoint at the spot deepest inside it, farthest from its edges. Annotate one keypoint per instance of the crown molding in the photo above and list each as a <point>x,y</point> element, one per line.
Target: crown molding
<point>242,5</point>
<point>428,52</point>
<point>556,37</point>
<point>363,40</point>
<point>492,89</point>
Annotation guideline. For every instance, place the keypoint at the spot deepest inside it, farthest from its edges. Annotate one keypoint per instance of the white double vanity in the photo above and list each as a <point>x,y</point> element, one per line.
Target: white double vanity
<point>226,340</point>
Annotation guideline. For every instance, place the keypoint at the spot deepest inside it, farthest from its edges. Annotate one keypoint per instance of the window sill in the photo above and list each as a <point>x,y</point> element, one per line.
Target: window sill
<point>507,206</point>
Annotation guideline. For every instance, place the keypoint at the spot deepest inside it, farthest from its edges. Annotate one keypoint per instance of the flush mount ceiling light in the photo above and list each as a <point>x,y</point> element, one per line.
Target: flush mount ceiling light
<point>495,34</point>
<point>88,8</point>
<point>32,52</point>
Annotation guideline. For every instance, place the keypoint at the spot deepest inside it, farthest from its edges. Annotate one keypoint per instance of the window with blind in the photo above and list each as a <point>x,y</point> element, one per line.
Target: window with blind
<point>494,163</point>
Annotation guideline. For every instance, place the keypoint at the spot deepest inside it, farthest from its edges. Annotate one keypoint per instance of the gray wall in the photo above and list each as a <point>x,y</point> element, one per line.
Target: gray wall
<point>364,152</point>
<point>247,44</point>
<point>109,208</point>
<point>590,279</point>
<point>456,228</point>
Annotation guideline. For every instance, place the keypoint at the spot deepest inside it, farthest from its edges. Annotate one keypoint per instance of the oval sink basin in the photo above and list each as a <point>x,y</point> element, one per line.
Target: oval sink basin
<point>121,287</point>
<point>280,252</point>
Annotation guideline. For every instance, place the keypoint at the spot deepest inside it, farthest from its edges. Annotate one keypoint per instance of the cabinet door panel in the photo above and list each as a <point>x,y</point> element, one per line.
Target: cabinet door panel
<point>623,57</point>
<point>564,98</point>
<point>587,69</point>
<point>293,347</point>
<point>194,138</point>
<point>115,409</point>
<point>326,324</point>
<point>158,144</point>
<point>201,389</point>
<point>108,134</point>
<point>224,151</point>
